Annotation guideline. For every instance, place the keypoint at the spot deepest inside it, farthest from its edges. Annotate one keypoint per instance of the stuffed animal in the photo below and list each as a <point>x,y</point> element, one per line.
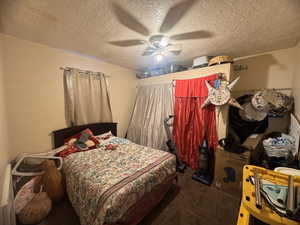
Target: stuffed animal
<point>32,207</point>
<point>36,210</point>
<point>52,181</point>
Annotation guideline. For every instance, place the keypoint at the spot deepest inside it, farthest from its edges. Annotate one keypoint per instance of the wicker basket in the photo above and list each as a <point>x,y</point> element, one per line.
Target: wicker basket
<point>220,59</point>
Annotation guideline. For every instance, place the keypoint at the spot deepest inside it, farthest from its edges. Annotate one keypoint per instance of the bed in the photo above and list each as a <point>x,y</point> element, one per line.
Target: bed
<point>120,186</point>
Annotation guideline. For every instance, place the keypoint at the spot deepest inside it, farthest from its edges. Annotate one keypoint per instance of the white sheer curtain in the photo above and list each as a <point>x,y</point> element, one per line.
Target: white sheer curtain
<point>153,104</point>
<point>86,97</point>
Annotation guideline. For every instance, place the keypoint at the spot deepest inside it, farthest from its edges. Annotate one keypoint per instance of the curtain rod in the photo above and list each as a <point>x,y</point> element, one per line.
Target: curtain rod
<point>153,84</point>
<point>83,71</point>
<point>254,90</point>
<point>220,76</point>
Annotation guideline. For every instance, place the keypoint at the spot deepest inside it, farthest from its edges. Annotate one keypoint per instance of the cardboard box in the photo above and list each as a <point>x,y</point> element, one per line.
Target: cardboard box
<point>229,171</point>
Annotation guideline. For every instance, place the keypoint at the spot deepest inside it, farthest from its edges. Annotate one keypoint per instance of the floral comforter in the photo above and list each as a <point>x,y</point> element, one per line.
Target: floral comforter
<point>103,184</point>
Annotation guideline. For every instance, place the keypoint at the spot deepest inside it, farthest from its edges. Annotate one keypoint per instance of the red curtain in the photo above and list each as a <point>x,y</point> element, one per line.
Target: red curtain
<point>191,123</point>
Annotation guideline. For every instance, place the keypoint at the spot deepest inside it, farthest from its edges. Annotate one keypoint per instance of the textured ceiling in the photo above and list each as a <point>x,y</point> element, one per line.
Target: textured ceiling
<point>235,27</point>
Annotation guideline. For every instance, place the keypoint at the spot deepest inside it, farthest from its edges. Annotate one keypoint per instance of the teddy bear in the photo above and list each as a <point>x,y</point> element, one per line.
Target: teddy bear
<point>52,181</point>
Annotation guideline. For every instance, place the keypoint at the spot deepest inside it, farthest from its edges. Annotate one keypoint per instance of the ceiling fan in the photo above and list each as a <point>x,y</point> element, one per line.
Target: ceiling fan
<point>160,44</point>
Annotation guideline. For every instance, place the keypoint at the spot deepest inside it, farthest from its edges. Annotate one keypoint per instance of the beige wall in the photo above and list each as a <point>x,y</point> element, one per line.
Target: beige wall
<point>35,97</point>
<point>224,68</point>
<point>268,70</point>
<point>4,156</point>
<point>296,81</point>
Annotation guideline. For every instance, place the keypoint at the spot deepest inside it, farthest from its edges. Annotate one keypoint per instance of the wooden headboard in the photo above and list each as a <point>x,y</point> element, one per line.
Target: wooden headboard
<point>97,128</point>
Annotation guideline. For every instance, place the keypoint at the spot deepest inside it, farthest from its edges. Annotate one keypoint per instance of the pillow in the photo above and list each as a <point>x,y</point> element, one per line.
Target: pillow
<point>59,149</point>
<point>83,140</point>
<point>76,136</point>
<point>118,141</point>
<point>105,136</point>
<point>68,150</point>
<point>36,210</point>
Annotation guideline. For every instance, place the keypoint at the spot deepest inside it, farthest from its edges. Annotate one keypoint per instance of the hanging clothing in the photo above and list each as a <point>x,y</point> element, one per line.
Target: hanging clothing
<point>191,123</point>
<point>238,127</point>
<point>154,103</point>
<point>86,97</point>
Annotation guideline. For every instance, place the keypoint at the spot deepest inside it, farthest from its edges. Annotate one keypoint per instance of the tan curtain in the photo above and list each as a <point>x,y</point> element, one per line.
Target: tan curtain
<point>86,97</point>
<point>153,104</point>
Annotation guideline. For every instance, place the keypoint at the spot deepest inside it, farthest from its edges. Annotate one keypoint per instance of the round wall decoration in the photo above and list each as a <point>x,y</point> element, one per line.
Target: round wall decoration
<point>222,95</point>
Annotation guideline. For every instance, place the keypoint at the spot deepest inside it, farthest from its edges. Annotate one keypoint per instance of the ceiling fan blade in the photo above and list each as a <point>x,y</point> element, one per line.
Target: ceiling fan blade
<point>149,51</point>
<point>192,35</point>
<point>175,14</point>
<point>127,43</point>
<point>126,19</point>
<point>176,52</point>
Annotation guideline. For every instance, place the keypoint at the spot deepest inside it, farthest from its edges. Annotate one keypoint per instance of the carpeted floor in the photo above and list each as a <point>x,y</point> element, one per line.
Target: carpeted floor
<point>187,203</point>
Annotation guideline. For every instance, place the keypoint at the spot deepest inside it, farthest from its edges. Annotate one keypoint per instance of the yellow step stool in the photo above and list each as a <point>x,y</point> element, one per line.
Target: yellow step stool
<point>248,204</point>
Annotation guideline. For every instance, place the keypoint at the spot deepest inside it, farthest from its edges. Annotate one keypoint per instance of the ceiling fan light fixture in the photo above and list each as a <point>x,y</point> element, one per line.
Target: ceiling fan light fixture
<point>164,42</point>
<point>158,57</point>
<point>159,41</point>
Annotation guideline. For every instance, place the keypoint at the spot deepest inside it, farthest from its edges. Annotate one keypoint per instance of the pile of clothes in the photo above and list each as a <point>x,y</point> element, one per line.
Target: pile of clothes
<point>275,149</point>
<point>280,147</point>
